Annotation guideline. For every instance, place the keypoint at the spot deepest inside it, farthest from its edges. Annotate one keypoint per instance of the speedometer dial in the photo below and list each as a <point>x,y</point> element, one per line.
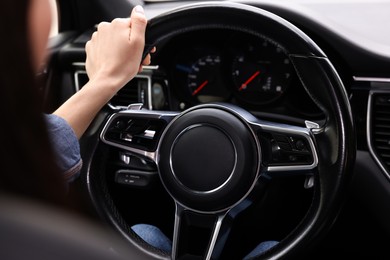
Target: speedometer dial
<point>261,72</point>
<point>204,80</point>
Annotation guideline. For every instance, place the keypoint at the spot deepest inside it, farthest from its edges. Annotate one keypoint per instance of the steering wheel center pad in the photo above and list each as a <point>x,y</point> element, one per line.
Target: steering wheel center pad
<point>203,158</point>
<point>208,159</point>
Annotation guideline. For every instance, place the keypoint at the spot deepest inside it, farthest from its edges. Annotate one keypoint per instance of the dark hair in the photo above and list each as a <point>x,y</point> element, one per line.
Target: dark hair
<point>27,165</point>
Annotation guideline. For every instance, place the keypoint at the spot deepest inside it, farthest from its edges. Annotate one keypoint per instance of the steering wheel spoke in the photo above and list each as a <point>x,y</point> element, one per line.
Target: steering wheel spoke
<point>195,234</point>
<point>286,148</point>
<point>136,131</point>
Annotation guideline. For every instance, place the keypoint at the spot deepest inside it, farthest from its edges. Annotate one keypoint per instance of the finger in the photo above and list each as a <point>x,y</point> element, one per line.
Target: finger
<point>147,60</point>
<point>121,22</point>
<point>138,25</point>
<point>93,39</point>
<point>102,25</point>
<point>88,46</point>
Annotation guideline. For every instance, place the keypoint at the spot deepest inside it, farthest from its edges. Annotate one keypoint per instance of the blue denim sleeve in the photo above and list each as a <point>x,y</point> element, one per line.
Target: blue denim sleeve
<point>66,146</point>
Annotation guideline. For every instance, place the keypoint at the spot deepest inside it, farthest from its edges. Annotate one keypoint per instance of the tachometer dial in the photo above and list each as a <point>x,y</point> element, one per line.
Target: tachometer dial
<point>261,73</point>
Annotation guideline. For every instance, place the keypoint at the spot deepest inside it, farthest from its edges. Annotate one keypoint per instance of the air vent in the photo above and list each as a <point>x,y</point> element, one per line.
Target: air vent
<point>127,95</point>
<point>379,128</point>
<point>136,91</point>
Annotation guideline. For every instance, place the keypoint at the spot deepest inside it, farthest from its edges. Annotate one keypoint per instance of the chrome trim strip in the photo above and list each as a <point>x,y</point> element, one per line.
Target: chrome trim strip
<point>135,151</point>
<point>76,79</point>
<point>150,67</point>
<point>368,130</point>
<point>371,79</point>
<point>179,209</point>
<point>214,236</point>
<point>78,64</point>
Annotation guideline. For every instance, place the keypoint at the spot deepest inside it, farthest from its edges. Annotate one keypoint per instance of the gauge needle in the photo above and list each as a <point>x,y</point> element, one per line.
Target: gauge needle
<point>243,86</point>
<point>200,87</point>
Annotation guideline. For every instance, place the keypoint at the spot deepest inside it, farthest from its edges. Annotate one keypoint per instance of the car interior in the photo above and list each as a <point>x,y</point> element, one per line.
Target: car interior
<point>255,121</point>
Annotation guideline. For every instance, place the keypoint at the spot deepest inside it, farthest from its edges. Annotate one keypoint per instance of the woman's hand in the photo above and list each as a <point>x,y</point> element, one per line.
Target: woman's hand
<point>114,56</point>
<point>115,50</point>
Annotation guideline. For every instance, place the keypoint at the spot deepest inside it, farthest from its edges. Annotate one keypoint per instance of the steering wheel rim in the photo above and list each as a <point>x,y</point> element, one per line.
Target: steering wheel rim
<point>334,141</point>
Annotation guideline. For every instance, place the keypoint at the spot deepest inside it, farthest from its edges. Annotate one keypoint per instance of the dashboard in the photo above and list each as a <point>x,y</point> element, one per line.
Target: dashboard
<point>222,65</point>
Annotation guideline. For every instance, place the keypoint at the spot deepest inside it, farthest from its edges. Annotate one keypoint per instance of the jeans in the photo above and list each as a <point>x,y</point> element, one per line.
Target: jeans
<point>153,236</point>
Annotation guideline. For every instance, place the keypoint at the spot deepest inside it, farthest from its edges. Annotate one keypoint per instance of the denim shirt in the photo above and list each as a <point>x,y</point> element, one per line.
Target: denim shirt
<point>66,146</point>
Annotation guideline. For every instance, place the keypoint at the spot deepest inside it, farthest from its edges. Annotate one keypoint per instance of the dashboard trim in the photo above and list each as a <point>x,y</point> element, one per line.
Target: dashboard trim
<point>369,132</point>
<point>371,79</point>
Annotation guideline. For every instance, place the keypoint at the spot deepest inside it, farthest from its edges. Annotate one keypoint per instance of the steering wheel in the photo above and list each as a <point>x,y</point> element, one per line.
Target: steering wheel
<point>211,157</point>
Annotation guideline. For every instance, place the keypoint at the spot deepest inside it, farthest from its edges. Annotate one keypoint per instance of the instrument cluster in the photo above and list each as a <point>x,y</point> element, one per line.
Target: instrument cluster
<point>236,67</point>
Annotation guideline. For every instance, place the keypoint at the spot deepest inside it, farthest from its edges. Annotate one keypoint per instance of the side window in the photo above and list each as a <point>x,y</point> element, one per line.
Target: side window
<point>54,11</point>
